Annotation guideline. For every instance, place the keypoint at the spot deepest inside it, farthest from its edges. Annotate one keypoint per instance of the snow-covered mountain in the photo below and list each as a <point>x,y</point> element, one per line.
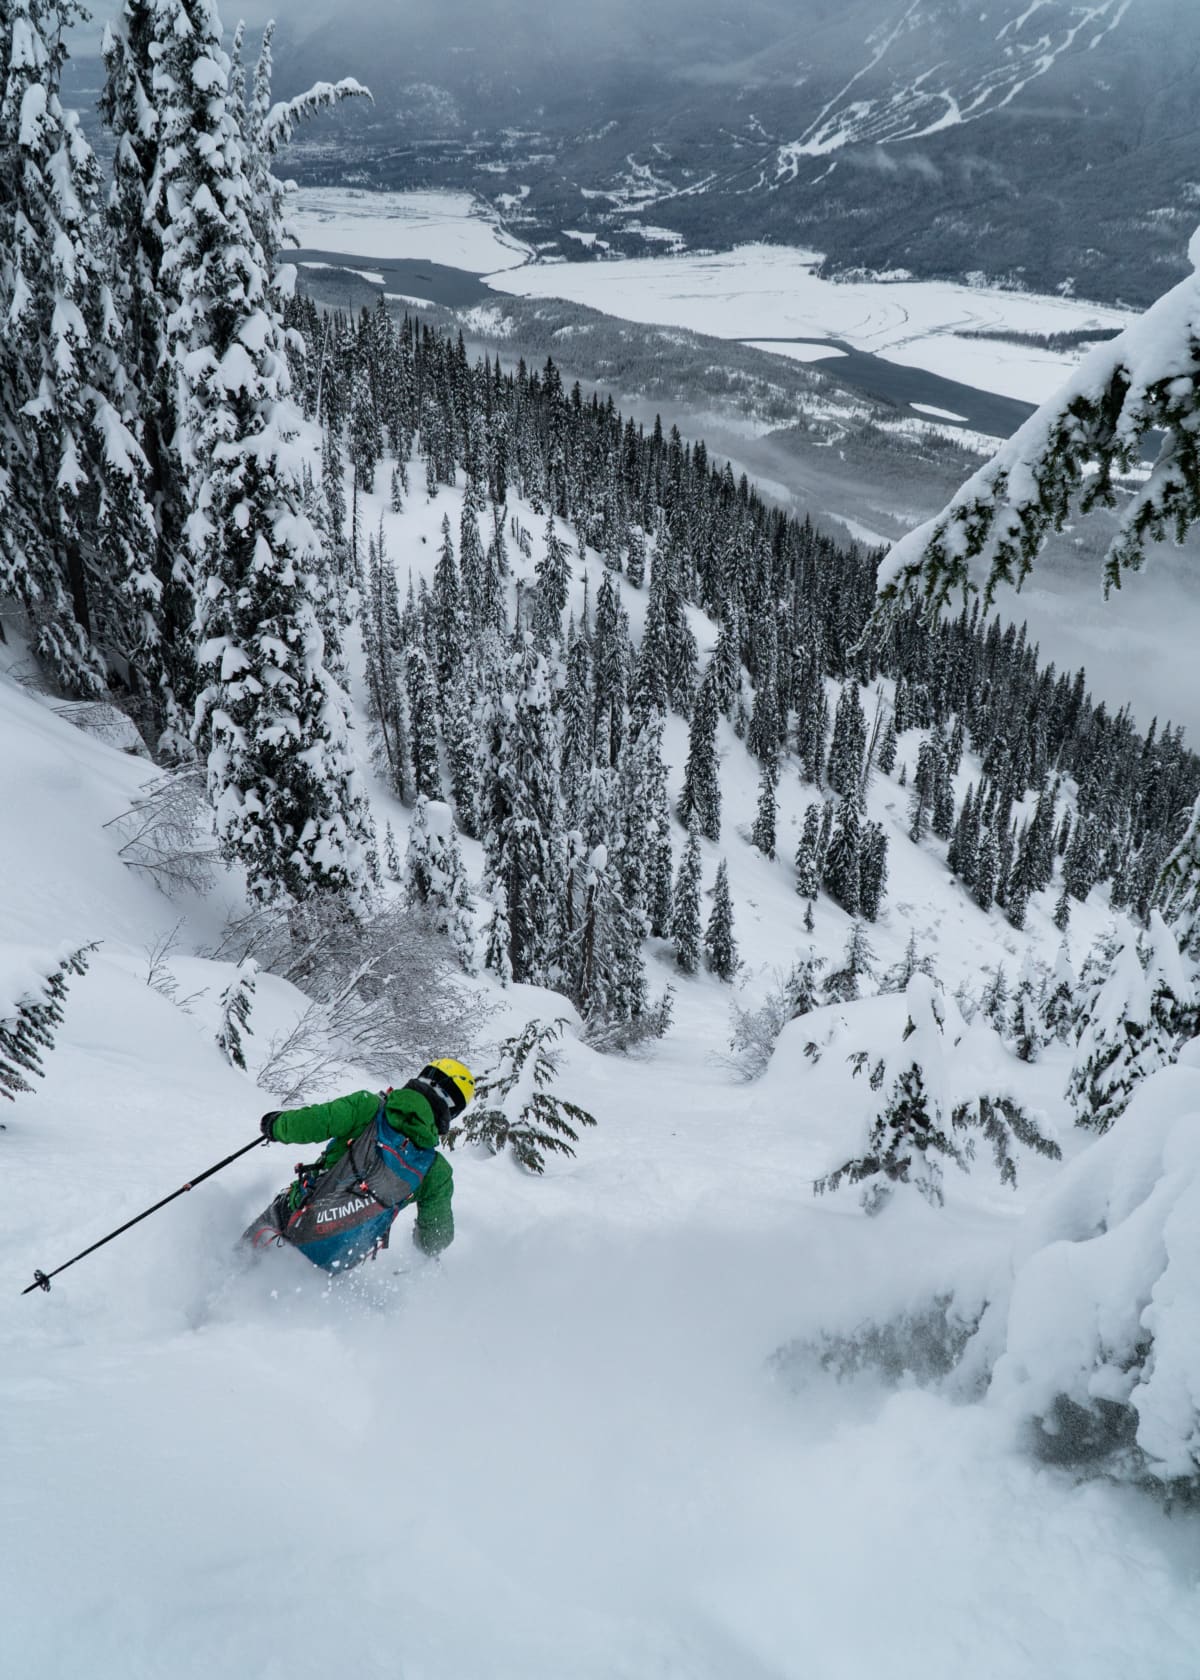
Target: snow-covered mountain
<point>1046,141</point>
<point>929,67</point>
<point>622,1429</point>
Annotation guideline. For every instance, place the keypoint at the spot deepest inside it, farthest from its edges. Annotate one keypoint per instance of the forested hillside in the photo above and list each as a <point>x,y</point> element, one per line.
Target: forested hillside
<point>827,974</point>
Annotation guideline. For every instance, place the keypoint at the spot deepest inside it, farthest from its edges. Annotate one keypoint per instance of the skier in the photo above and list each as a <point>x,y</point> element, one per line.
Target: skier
<point>380,1156</point>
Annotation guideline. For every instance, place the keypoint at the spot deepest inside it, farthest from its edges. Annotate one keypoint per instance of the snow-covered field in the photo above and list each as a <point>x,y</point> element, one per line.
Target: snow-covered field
<point>762,292</point>
<point>437,227</point>
<point>568,1448</point>
<point>757,293</point>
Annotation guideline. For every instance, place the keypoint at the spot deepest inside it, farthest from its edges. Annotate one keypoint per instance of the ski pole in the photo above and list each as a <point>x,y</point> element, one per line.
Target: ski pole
<point>41,1280</point>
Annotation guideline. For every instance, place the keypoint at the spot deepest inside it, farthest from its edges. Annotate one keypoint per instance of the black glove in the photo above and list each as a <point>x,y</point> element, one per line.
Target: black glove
<point>267,1125</point>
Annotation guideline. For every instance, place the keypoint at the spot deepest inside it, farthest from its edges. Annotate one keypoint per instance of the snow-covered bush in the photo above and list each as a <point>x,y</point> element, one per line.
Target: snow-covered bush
<point>515,1107</point>
<point>32,989</point>
<point>1095,1344</point>
<point>1132,1021</point>
<point>924,1345</point>
<point>931,1102</point>
<point>169,833</point>
<point>237,1000</point>
<point>755,1032</point>
<point>383,993</point>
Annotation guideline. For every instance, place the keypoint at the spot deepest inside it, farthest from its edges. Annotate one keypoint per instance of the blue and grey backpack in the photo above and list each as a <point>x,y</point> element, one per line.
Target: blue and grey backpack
<point>346,1210</point>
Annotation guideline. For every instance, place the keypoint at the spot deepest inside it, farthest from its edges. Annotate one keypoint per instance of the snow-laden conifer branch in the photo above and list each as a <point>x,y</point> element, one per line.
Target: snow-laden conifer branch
<point>1067,455</point>
<point>282,120</point>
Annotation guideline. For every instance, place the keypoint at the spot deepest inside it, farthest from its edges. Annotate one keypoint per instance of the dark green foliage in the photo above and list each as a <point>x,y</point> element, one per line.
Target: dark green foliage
<point>986,869</point>
<point>843,984</point>
<point>237,1000</point>
<point>29,1023</point>
<point>916,1130</point>
<point>422,712</point>
<point>808,862</point>
<point>848,748</point>
<point>841,876</point>
<point>553,575</point>
<point>763,834</point>
<point>516,1107</point>
<point>701,780</point>
<point>886,759</point>
<point>873,870</point>
<point>719,944</point>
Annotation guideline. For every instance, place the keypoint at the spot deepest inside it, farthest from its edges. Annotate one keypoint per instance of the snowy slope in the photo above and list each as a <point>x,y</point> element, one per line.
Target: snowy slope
<point>567,1448</point>
<point>905,89</point>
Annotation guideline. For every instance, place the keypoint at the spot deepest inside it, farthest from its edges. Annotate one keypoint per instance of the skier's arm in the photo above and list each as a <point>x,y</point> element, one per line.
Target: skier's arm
<point>434,1197</point>
<point>343,1118</point>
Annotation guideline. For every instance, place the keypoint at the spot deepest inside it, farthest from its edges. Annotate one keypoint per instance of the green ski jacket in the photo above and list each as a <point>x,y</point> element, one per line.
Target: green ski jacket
<point>345,1117</point>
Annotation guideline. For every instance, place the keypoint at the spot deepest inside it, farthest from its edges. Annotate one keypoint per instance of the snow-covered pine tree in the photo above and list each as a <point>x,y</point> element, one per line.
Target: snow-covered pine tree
<point>31,1011</point>
<point>987,868</point>
<point>422,714</point>
<point>269,125</point>
<point>1026,1029</point>
<point>842,984</point>
<point>726,664</point>
<point>609,981</point>
<point>272,723</point>
<point>391,855</point>
<point>873,870</point>
<point>521,816</point>
<point>915,1125</point>
<point>1174,999</point>
<point>655,817</point>
<point>1138,1008</point>
<point>387,706</point>
<point>435,879</point>
<point>924,787</point>
<point>75,521</point>
<point>136,213</point>
<point>701,791</point>
<point>912,962</point>
<point>610,670</point>
<point>553,575</point>
<point>1062,911</point>
<point>924,1118</point>
<point>808,868</point>
<point>447,608</point>
<point>460,737</point>
<point>1058,1005</point>
<point>516,1107</point>
<point>762,737</point>
<point>843,859</point>
<point>994,1002</point>
<point>888,748</point>
<point>720,946</point>
<point>845,767</point>
<point>685,904</point>
<point>762,836</point>
<point>237,1000</point>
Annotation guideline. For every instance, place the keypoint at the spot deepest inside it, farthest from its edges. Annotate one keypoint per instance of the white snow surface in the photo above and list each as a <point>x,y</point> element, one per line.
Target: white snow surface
<point>440,227</point>
<point>796,352</point>
<point>762,292</point>
<point>566,1448</point>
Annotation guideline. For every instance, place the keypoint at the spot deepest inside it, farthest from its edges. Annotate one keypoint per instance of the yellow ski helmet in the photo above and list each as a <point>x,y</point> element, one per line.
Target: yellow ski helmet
<point>447,1087</point>
<point>461,1077</point>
